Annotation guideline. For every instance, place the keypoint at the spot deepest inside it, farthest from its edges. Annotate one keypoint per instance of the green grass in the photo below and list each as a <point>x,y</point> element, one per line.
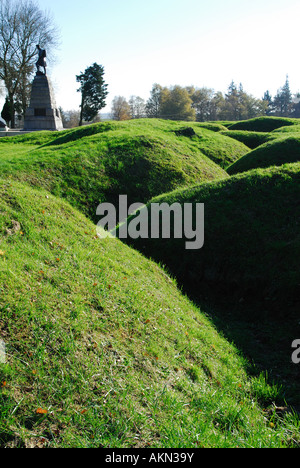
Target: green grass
<point>96,163</point>
<point>247,274</point>
<point>262,124</point>
<point>285,130</point>
<point>100,338</point>
<point>250,139</point>
<point>283,149</point>
<point>32,139</point>
<point>102,341</point>
<point>252,244</point>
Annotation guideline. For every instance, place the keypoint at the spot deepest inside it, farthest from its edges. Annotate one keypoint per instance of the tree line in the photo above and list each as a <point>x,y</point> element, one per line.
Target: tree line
<point>204,104</point>
<point>197,104</point>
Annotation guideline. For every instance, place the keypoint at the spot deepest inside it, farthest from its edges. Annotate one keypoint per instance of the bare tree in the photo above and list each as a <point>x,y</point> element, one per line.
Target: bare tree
<point>22,26</point>
<point>70,118</point>
<point>120,109</point>
<point>137,107</point>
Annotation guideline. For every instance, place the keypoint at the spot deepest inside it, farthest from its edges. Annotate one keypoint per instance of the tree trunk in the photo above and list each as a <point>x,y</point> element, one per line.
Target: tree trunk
<point>12,111</point>
<point>81,112</point>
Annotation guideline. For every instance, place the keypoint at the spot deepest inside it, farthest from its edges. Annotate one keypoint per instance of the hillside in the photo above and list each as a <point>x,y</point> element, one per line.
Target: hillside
<point>252,242</point>
<point>103,348</point>
<point>141,158</point>
<point>104,351</point>
<point>283,148</point>
<point>246,276</point>
<point>262,124</point>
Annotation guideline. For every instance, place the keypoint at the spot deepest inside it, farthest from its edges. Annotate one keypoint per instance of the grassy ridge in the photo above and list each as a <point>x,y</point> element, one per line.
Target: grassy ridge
<point>262,124</point>
<point>104,351</point>
<point>142,159</point>
<point>278,151</point>
<point>252,243</point>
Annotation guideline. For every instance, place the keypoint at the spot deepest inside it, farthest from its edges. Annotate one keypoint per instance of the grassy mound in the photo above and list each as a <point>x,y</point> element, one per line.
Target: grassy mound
<point>263,124</point>
<point>278,151</point>
<point>251,253</point>
<point>285,130</point>
<point>142,159</point>
<point>104,351</point>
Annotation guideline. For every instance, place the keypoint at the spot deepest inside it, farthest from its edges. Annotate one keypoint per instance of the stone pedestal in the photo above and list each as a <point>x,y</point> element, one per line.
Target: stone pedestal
<point>42,113</point>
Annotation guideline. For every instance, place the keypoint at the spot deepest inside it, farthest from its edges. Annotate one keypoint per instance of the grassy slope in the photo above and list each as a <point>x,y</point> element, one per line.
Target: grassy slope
<point>97,163</point>
<point>283,148</point>
<point>262,124</point>
<point>100,337</point>
<point>252,242</point>
<point>101,340</point>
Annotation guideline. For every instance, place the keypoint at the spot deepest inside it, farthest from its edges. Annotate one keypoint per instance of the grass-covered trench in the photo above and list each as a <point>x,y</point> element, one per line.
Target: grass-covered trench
<point>103,349</point>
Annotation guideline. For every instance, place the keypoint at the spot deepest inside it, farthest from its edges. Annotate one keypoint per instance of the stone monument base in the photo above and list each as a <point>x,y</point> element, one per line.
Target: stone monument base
<point>42,113</point>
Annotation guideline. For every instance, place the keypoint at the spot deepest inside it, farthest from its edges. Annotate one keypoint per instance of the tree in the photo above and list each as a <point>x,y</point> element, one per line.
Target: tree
<point>254,107</point>
<point>202,102</point>
<point>120,109</point>
<point>283,101</point>
<point>231,107</point>
<point>93,92</point>
<point>267,99</point>
<point>216,106</point>
<point>70,118</point>
<point>250,106</point>
<point>22,26</point>
<point>153,105</point>
<point>137,107</point>
<point>296,105</point>
<point>239,105</point>
<point>176,104</point>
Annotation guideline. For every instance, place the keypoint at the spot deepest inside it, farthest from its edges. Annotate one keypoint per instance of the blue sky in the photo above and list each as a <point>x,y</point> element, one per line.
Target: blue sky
<point>190,42</point>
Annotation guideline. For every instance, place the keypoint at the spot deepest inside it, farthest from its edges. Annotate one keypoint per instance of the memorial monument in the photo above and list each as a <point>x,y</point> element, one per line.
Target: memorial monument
<point>42,113</point>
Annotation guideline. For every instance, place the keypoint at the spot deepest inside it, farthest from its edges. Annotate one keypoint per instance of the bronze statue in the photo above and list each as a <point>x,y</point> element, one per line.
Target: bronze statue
<point>41,61</point>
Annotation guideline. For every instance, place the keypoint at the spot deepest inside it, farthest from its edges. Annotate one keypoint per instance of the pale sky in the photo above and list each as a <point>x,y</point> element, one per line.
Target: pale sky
<point>184,42</point>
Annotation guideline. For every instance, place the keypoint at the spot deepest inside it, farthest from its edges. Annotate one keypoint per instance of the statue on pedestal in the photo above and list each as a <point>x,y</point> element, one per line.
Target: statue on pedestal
<point>42,113</point>
<point>41,61</point>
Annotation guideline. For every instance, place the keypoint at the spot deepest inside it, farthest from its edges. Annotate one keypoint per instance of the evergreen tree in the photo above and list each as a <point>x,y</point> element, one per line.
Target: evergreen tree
<point>93,92</point>
<point>153,105</point>
<point>231,105</point>
<point>283,102</point>
<point>239,105</point>
<point>267,99</point>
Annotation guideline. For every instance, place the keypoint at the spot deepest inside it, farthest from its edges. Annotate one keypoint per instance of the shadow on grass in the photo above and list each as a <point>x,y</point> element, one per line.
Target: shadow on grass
<point>265,343</point>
